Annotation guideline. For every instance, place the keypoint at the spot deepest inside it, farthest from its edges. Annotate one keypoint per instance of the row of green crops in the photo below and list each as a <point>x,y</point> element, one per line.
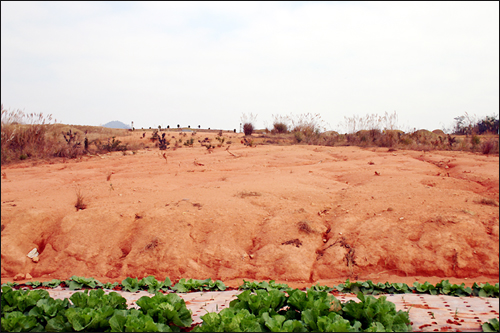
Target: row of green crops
<point>367,287</point>
<point>274,310</point>
<point>129,284</point>
<point>263,306</point>
<point>91,311</point>
<point>299,311</point>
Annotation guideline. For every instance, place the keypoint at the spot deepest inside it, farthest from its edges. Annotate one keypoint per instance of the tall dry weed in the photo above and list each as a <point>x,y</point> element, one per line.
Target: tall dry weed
<point>388,121</point>
<point>33,135</point>
<point>23,135</point>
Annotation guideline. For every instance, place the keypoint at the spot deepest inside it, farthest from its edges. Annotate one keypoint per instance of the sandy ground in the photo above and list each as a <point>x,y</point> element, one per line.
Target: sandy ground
<point>296,214</point>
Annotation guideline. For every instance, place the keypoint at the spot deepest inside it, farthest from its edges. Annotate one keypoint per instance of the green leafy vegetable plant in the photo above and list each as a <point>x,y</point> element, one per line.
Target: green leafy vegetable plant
<point>168,309</point>
<point>229,320</point>
<point>98,298</point>
<point>152,285</point>
<point>183,286</point>
<point>34,284</point>
<point>372,311</point>
<point>78,282</point>
<point>130,284</point>
<point>52,283</point>
<point>247,285</point>
<point>491,326</point>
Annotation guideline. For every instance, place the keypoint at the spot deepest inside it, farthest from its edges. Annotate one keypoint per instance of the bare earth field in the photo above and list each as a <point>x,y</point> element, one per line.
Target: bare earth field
<point>296,214</point>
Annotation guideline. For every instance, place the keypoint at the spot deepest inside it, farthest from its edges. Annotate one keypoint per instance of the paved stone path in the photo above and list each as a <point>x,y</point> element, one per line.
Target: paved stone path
<point>427,312</point>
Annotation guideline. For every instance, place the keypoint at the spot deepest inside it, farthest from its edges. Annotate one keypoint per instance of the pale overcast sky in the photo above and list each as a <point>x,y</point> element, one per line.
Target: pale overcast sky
<point>207,63</point>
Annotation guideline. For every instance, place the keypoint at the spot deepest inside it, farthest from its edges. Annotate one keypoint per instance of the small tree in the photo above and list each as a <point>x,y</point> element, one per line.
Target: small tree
<point>199,126</point>
<point>178,125</point>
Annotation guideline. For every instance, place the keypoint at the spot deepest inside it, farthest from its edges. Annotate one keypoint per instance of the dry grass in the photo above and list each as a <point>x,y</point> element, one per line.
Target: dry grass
<point>305,227</point>
<point>245,194</point>
<point>487,201</point>
<point>490,146</point>
<point>152,244</point>
<point>80,200</point>
<point>33,136</point>
<point>376,131</point>
<point>297,242</point>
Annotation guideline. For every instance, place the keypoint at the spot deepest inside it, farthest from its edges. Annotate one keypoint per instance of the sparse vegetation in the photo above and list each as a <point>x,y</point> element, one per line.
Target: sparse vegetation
<point>23,135</point>
<point>245,194</point>
<point>80,200</point>
<point>468,125</point>
<point>27,136</point>
<point>220,139</point>
<point>189,142</point>
<point>248,128</point>
<point>248,123</point>
<point>381,131</point>
<point>33,136</point>
<point>152,244</point>
<point>487,201</point>
<point>112,145</point>
<point>280,124</point>
<point>489,146</point>
<point>305,227</point>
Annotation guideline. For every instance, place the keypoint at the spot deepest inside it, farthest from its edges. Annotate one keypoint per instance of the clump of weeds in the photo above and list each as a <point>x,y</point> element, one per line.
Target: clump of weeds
<point>245,194</point>
<point>151,245</point>
<point>305,227</point>
<point>487,201</point>
<point>80,200</point>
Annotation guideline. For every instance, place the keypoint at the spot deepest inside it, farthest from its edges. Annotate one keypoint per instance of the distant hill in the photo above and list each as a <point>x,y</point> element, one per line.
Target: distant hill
<point>116,124</point>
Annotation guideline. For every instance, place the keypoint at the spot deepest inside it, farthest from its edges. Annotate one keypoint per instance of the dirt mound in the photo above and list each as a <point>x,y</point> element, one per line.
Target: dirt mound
<point>296,214</point>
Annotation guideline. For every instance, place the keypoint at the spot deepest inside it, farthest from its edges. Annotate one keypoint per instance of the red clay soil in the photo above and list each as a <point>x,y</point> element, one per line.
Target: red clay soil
<point>296,214</point>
